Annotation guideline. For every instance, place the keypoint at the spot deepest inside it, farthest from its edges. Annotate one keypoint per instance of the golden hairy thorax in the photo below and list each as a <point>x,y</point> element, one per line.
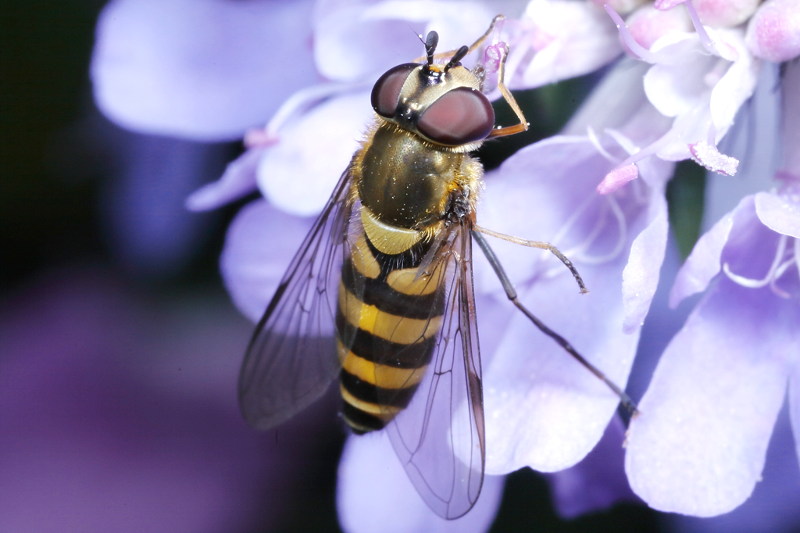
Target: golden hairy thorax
<point>406,182</point>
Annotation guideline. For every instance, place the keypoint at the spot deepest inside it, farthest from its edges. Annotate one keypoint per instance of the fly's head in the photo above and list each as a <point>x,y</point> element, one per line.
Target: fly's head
<point>441,103</point>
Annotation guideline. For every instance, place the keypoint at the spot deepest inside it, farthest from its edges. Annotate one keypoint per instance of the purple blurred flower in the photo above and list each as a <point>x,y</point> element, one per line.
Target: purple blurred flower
<point>200,71</point>
<point>203,70</point>
<point>118,416</point>
<point>699,447</point>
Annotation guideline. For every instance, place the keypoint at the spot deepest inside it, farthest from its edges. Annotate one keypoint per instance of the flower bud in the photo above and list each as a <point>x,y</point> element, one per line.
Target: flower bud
<point>623,7</point>
<point>648,24</point>
<point>774,31</point>
<point>724,13</point>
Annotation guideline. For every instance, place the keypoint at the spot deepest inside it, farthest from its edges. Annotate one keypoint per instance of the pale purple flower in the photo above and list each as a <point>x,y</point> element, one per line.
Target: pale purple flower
<point>694,69</point>
<point>698,79</point>
<point>203,70</point>
<point>699,447</point>
<point>543,409</point>
<point>330,117</point>
<point>558,39</point>
<point>536,400</point>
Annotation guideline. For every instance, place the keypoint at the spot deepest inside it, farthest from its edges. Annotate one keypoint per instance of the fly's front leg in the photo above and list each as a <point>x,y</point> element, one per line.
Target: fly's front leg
<point>474,46</point>
<point>510,100</point>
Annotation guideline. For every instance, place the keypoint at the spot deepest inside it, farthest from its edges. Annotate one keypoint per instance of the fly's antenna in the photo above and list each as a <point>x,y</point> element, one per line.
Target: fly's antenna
<point>457,57</point>
<point>431,41</point>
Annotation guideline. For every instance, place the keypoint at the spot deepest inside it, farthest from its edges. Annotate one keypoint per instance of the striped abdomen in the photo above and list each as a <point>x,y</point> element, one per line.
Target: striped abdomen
<point>387,324</point>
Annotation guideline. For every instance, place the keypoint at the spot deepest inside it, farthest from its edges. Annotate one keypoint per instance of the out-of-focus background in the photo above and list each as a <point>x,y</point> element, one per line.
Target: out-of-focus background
<point>119,348</point>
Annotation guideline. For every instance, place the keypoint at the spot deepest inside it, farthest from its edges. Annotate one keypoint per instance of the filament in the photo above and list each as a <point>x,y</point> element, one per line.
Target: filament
<point>780,265</point>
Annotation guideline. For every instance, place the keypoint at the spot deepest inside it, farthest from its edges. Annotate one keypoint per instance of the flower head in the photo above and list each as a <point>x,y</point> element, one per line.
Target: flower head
<point>691,66</point>
<point>709,412</point>
<point>698,79</point>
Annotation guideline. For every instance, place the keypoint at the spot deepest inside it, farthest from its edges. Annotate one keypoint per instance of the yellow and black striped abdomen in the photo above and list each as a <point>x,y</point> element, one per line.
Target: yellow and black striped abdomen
<point>387,324</point>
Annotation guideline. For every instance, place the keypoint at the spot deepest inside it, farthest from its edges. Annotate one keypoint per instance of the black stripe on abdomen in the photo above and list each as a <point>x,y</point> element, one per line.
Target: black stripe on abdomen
<point>377,292</point>
<point>386,338</point>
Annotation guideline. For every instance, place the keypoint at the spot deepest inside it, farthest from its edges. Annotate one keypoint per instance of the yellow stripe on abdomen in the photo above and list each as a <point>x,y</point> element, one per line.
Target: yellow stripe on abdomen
<point>384,376</point>
<point>384,412</point>
<point>398,329</point>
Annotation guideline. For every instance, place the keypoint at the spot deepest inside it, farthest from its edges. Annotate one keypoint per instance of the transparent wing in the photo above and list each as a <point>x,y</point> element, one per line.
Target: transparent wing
<point>291,359</point>
<point>439,437</point>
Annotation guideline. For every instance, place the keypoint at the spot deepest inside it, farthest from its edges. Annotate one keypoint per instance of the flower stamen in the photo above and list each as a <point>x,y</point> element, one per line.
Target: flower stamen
<point>579,252</point>
<point>705,39</point>
<point>622,236</point>
<point>626,38</point>
<point>780,264</point>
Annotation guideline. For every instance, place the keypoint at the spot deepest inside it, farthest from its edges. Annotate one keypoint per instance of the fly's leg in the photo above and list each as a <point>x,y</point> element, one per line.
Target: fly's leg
<point>479,41</point>
<point>541,245</point>
<point>510,100</point>
<point>511,293</point>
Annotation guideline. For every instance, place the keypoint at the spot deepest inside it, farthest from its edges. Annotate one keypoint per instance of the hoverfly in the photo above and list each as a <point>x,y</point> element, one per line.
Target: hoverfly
<point>380,293</point>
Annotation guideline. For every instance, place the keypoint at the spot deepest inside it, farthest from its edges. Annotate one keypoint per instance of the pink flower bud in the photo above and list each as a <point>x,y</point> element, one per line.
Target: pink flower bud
<point>722,13</point>
<point>648,24</point>
<point>623,7</point>
<point>774,31</point>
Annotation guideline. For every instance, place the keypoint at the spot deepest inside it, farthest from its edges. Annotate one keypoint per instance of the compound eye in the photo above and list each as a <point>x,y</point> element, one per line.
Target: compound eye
<point>458,117</point>
<point>386,92</point>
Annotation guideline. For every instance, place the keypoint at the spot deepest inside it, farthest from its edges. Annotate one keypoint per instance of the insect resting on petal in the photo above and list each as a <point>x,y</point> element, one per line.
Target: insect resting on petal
<point>380,293</point>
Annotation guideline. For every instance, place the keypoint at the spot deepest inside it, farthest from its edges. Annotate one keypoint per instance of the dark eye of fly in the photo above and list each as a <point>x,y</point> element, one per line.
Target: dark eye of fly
<point>458,117</point>
<point>386,92</point>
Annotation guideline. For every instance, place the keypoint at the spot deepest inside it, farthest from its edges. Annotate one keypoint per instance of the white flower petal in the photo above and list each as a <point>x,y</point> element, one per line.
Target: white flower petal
<point>736,85</point>
<point>704,262</point>
<point>647,253</point>
<point>238,181</point>
<point>779,213</point>
<point>569,38</point>
<point>260,243</point>
<point>698,446</point>
<point>299,172</point>
<point>678,84</point>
